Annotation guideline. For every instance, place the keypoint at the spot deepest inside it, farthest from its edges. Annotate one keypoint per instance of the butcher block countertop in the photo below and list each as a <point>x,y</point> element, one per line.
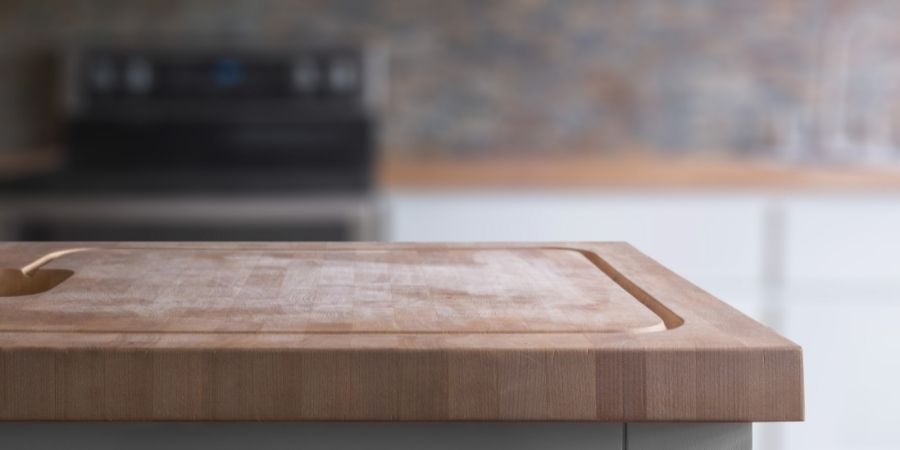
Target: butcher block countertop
<point>640,172</point>
<point>366,331</point>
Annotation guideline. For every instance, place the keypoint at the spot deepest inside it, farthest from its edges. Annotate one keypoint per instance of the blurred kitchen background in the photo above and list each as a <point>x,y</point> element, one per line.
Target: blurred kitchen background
<point>751,146</point>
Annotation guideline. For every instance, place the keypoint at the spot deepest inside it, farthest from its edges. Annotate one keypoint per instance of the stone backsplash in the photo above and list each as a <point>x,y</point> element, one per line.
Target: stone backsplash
<point>790,78</point>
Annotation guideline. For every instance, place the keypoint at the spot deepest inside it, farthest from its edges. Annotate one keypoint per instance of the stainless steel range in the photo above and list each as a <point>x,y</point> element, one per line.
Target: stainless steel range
<point>209,144</point>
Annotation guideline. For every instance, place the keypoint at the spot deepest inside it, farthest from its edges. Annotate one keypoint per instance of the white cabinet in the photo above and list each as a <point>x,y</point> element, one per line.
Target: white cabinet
<point>698,236</point>
<point>843,237</point>
<point>841,301</point>
<point>851,353</point>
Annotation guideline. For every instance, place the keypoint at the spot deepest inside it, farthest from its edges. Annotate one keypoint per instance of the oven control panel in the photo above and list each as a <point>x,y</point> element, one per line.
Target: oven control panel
<point>313,77</point>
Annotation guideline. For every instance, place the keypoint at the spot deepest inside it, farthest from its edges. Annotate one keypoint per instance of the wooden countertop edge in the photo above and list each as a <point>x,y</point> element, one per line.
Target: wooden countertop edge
<point>633,173</point>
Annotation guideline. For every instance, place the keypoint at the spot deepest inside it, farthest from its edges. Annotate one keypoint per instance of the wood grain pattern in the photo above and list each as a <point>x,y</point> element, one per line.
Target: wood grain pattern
<point>483,290</point>
<point>241,331</point>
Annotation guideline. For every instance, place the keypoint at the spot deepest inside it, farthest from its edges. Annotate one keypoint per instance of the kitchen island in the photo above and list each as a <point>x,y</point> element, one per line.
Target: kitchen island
<point>588,345</point>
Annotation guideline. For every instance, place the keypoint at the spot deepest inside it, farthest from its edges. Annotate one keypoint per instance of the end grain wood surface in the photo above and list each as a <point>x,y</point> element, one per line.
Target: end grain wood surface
<point>365,331</point>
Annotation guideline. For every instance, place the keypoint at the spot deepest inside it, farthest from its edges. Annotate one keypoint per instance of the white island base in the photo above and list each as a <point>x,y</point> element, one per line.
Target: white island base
<point>374,436</point>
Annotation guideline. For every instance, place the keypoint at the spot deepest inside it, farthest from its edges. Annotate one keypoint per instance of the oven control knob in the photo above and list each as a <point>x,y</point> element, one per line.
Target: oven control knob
<point>343,76</point>
<point>306,76</point>
<point>103,76</point>
<point>139,76</point>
